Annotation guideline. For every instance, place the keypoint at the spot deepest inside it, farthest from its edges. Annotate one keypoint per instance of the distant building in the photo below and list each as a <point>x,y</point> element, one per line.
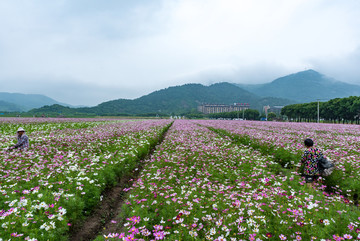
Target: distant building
<point>218,108</point>
<point>266,108</point>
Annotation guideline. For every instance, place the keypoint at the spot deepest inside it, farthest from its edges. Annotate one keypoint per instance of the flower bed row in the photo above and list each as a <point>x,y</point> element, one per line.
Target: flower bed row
<point>60,178</point>
<point>285,141</point>
<point>45,127</point>
<point>199,186</point>
<point>34,120</point>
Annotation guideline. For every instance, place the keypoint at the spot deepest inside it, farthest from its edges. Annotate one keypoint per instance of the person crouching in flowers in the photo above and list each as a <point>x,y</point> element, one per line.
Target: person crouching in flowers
<point>310,161</point>
<point>23,140</point>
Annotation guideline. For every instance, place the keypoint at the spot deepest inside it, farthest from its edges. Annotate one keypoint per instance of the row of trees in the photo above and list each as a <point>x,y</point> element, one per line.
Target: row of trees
<point>345,110</point>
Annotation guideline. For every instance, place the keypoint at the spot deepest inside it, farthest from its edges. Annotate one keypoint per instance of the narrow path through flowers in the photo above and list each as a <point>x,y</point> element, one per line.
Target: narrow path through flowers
<point>110,206</point>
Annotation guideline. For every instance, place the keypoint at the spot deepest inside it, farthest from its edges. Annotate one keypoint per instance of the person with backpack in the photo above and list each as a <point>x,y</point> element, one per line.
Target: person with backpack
<point>310,162</point>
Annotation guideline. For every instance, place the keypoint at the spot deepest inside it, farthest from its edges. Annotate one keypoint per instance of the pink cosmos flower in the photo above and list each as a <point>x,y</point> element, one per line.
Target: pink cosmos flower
<point>347,236</point>
<point>337,237</point>
<point>158,227</point>
<point>159,235</point>
<point>134,230</point>
<point>16,235</point>
<point>129,237</point>
<point>252,236</point>
<point>282,237</point>
<point>145,232</point>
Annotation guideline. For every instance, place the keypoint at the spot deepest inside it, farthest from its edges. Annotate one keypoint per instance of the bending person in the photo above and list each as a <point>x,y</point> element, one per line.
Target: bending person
<point>23,140</point>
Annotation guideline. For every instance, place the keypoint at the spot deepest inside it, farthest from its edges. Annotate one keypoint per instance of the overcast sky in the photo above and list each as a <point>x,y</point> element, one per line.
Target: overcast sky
<point>85,52</point>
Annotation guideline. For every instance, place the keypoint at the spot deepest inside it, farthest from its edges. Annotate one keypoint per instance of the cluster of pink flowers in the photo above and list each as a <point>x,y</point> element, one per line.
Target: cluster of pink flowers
<point>198,185</point>
<point>338,142</point>
<point>44,189</point>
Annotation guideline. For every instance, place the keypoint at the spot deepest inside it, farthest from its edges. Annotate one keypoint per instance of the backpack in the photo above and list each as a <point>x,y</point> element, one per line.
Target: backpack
<point>326,166</point>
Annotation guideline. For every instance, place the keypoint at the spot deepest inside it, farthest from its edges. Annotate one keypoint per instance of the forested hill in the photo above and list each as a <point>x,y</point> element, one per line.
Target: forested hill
<point>177,100</point>
<point>305,86</point>
<point>180,99</point>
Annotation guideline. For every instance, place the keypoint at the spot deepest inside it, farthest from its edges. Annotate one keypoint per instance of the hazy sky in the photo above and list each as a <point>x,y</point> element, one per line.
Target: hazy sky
<point>85,52</point>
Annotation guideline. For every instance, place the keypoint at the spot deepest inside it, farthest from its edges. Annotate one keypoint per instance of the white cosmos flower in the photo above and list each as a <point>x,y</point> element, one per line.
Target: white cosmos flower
<point>326,222</point>
<point>12,203</point>
<point>43,205</point>
<point>221,238</point>
<point>62,211</point>
<point>180,220</point>
<point>250,212</point>
<point>241,229</point>
<point>43,226</point>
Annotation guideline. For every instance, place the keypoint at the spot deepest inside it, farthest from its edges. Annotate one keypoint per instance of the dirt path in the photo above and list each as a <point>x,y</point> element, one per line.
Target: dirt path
<point>104,218</point>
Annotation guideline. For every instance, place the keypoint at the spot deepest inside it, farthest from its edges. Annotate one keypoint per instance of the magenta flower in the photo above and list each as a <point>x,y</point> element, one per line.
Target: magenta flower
<point>158,227</point>
<point>129,237</point>
<point>134,230</point>
<point>347,236</point>
<point>282,237</point>
<point>159,235</point>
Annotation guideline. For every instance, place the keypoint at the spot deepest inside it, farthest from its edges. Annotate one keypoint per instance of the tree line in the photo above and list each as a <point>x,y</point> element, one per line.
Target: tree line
<point>339,110</point>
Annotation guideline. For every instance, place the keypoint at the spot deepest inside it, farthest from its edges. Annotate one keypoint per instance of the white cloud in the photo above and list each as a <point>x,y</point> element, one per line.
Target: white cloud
<point>125,49</point>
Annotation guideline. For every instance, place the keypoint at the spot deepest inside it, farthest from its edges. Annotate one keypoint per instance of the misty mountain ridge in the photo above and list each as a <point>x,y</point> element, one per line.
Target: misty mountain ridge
<point>304,86</point>
<point>10,107</point>
<point>24,102</point>
<point>301,87</point>
<point>174,100</point>
<point>184,98</point>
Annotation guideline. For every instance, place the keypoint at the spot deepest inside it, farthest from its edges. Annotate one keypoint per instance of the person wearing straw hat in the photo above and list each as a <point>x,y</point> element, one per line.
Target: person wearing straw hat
<point>23,140</point>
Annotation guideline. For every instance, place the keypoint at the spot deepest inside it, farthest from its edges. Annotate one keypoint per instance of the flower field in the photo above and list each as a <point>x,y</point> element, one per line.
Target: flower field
<point>198,185</point>
<point>58,181</point>
<point>340,143</point>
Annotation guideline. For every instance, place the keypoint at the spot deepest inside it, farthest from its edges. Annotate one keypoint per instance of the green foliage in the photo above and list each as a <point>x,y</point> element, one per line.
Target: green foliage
<point>271,116</point>
<point>335,110</point>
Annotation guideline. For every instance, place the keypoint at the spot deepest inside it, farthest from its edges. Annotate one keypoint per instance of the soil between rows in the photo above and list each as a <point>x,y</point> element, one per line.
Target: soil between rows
<point>112,200</point>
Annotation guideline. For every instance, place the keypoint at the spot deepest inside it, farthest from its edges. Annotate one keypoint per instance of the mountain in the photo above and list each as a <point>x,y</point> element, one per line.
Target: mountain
<point>178,99</point>
<point>24,102</point>
<point>10,107</point>
<point>184,98</point>
<point>305,86</point>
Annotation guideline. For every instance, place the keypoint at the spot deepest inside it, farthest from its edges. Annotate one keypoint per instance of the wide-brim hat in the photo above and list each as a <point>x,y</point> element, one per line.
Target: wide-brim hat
<point>20,129</point>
